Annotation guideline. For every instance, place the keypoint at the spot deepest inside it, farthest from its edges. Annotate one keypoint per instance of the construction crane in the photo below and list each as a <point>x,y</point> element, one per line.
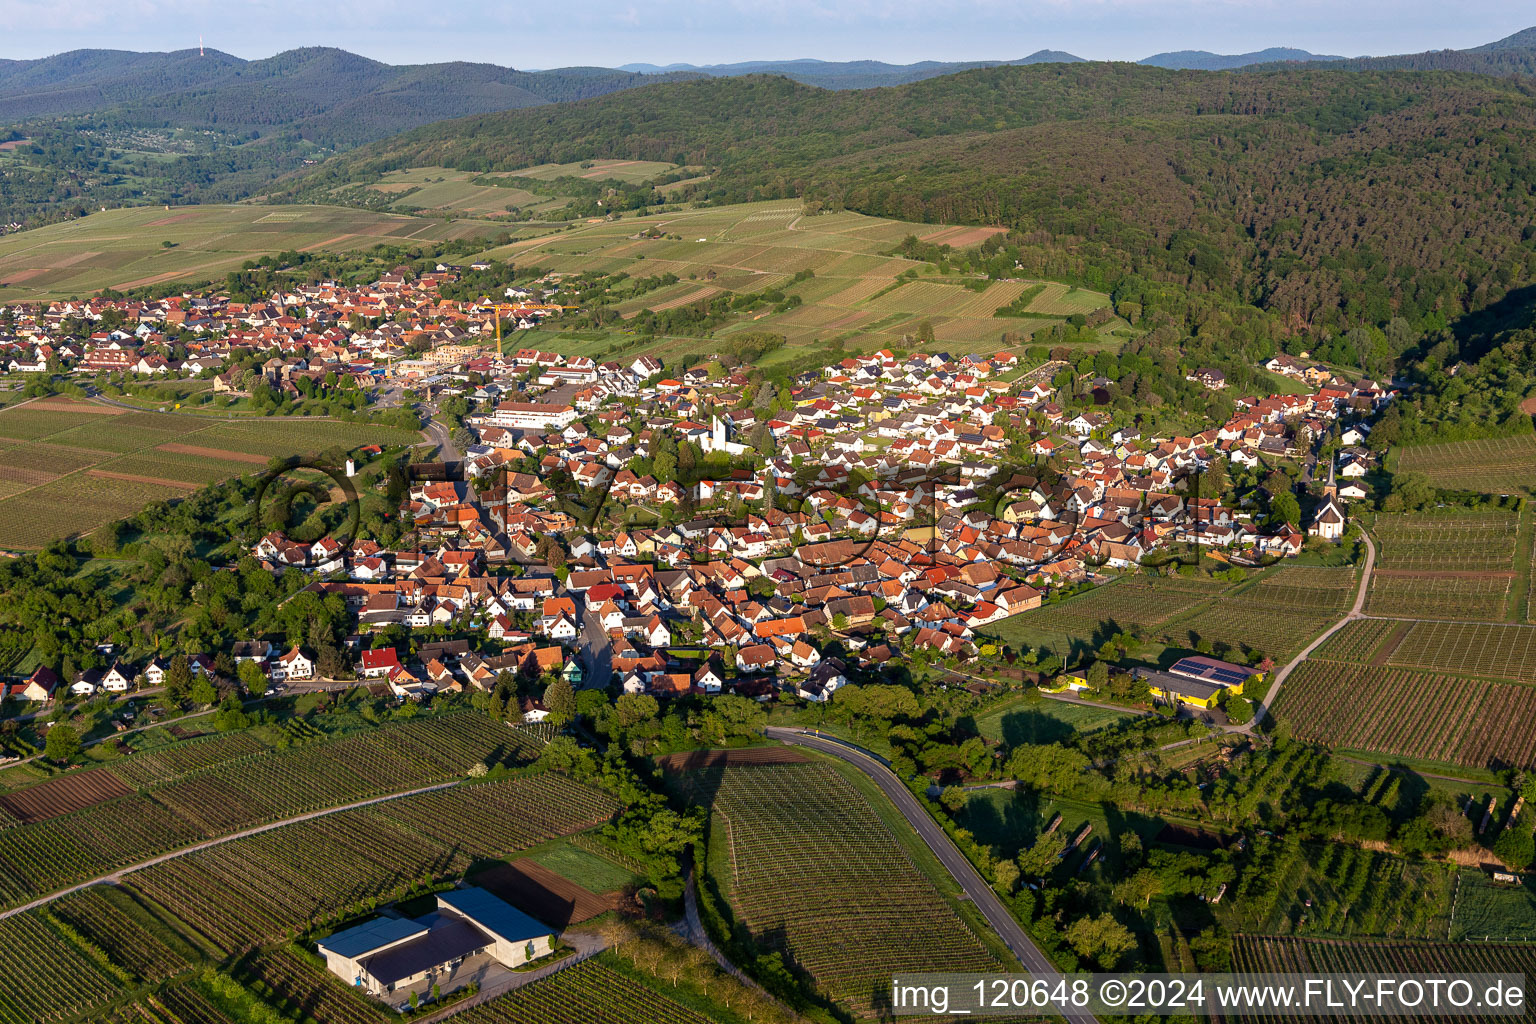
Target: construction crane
<point>500,308</point>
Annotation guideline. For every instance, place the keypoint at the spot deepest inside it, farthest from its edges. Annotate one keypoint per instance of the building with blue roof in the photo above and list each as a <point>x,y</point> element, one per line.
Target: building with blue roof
<point>372,937</point>
<point>390,957</point>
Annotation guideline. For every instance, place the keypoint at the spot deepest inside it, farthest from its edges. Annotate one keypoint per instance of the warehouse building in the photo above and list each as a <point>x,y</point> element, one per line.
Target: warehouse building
<point>1180,689</point>
<point>1197,680</point>
<point>470,932</point>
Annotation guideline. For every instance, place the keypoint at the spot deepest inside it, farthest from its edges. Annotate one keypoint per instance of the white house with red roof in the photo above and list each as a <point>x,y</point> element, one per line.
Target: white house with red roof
<point>295,664</point>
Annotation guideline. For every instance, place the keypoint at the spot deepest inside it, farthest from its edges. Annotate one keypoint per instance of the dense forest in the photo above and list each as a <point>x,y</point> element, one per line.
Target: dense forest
<point>112,128</point>
<point>1300,192</point>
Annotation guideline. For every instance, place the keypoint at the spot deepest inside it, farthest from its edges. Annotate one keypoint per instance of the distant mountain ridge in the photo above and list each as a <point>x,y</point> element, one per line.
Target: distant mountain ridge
<point>1204,60</point>
<point>329,95</point>
<point>851,74</point>
<point>107,127</point>
<point>340,99</point>
<point>1515,54</point>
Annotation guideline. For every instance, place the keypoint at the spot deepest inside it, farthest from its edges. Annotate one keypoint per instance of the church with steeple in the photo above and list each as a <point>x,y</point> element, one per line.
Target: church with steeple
<point>1328,520</point>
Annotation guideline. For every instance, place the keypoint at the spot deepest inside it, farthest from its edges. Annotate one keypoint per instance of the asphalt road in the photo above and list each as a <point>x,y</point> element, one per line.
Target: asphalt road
<point>980,893</point>
<point>1356,611</point>
<point>438,432</point>
<point>596,652</point>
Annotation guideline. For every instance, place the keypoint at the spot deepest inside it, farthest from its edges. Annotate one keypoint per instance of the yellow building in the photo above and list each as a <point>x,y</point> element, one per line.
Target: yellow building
<point>1198,680</point>
<point>1180,690</point>
<point>1067,682</point>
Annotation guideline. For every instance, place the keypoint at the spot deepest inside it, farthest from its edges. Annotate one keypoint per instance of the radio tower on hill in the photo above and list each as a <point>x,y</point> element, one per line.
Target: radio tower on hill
<point>200,44</point>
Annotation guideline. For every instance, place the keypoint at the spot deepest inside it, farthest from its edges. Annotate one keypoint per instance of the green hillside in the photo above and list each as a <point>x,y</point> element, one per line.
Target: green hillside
<point>126,249</point>
<point>1299,192</point>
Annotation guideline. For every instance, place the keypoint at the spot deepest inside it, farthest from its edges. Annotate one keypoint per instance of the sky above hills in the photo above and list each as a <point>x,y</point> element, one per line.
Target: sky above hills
<point>613,32</point>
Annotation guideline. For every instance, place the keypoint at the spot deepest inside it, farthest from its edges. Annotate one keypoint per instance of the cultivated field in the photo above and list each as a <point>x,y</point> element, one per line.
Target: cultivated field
<point>68,467</point>
<point>1302,588</point>
<point>697,760</point>
<point>1127,604</point>
<point>1479,597</point>
<point>1474,722</point>
<point>48,977</point>
<point>1470,648</point>
<point>854,294</point>
<point>631,171</point>
<point>110,919</point>
<point>551,897</point>
<point>1239,632</point>
<point>177,760</point>
<point>1486,910</point>
<point>1274,615</point>
<point>231,794</point>
<point>122,248</point>
<point>309,991</point>
<point>1359,641</point>
<point>253,891</point>
<point>1447,540</point>
<point>61,796</point>
<point>587,993</point>
<point>855,909</point>
<point>1503,465</point>
<point>1263,954</point>
<point>443,189</point>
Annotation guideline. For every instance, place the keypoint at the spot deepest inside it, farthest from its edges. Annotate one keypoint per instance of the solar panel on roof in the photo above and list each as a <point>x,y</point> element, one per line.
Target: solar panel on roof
<point>1210,670</point>
<point>364,938</point>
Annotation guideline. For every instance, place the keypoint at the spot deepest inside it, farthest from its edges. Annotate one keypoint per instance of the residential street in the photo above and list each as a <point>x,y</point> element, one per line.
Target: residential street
<point>596,652</point>
<point>980,893</point>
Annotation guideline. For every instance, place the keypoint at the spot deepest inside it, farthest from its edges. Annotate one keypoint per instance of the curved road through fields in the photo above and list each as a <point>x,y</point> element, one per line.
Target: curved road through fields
<point>1356,611</point>
<point>980,893</point>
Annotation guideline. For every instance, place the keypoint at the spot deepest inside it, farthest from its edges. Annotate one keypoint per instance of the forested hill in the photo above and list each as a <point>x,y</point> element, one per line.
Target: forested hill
<point>327,95</point>
<point>1330,199</point>
<point>1512,55</point>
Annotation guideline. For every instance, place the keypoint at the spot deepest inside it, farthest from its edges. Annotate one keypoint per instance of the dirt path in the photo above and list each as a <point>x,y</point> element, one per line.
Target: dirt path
<point>587,946</point>
<point>221,454</point>
<point>72,405</point>
<point>1390,644</point>
<point>691,927</point>
<point>135,478</point>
